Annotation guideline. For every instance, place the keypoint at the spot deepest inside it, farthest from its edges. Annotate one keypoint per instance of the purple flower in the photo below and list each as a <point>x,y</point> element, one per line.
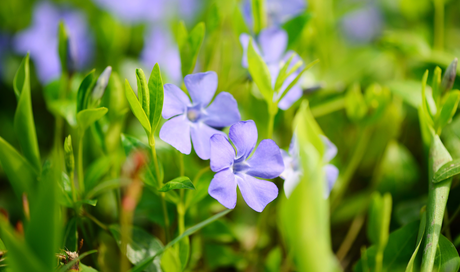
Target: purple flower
<point>160,48</point>
<point>278,11</point>
<point>271,44</point>
<point>362,25</point>
<point>234,169</point>
<point>292,172</point>
<point>198,118</point>
<point>41,39</point>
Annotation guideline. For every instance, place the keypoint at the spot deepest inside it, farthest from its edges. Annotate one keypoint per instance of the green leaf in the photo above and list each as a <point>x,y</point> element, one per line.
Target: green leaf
<point>24,125</point>
<point>421,231</point>
<point>106,186</point>
<point>260,73</point>
<point>96,171</point>
<point>296,79</point>
<point>21,174</point>
<point>399,249</point>
<point>258,15</point>
<point>143,91</point>
<point>449,76</point>
<point>87,117</point>
<point>426,114</point>
<point>17,249</point>
<point>85,90</point>
<point>2,245</point>
<point>65,109</point>
<point>190,47</point>
<point>183,252</point>
<point>131,143</point>
<point>137,108</point>
<point>143,245</point>
<point>447,259</point>
<point>448,110</point>
<point>91,202</point>
<point>446,171</point>
<point>70,241</point>
<point>178,183</point>
<point>379,220</point>
<point>170,261</point>
<point>355,105</point>
<point>295,26</point>
<point>156,97</point>
<point>84,268</point>
<point>63,46</point>
<point>142,265</point>
<point>274,260</point>
<point>66,267</point>
<point>436,85</point>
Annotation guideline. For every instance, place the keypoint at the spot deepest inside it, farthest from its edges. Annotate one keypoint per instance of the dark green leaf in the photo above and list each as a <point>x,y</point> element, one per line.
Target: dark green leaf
<point>71,235</point>
<point>260,73</point>
<point>183,252</point>
<point>447,259</point>
<point>106,186</point>
<point>156,97</point>
<point>295,26</point>
<point>84,91</point>
<point>379,220</point>
<point>87,117</point>
<point>143,245</point>
<point>421,231</point>
<point>137,108</point>
<point>96,171</point>
<point>91,202</point>
<point>178,183</point>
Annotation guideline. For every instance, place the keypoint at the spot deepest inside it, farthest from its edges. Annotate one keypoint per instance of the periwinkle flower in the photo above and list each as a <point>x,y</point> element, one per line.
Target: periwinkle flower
<point>160,48</point>
<point>271,44</point>
<point>293,173</point>
<point>362,25</point>
<point>235,169</point>
<point>198,119</point>
<point>41,39</point>
<point>278,11</point>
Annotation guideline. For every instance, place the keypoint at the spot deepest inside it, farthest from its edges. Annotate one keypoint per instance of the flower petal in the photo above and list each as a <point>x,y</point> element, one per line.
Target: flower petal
<point>294,94</point>
<point>266,162</point>
<point>201,138</point>
<point>223,188</point>
<point>222,153</point>
<point>273,42</point>
<point>291,181</point>
<point>256,192</point>
<point>175,101</point>
<point>201,87</point>
<point>222,112</point>
<point>244,136</point>
<point>331,177</point>
<point>176,132</point>
<point>330,149</point>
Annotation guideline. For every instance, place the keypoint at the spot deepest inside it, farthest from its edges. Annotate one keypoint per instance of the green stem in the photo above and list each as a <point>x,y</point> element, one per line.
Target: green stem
<point>437,200</point>
<point>81,178</point>
<point>72,185</point>
<point>328,107</point>
<point>95,220</point>
<point>271,123</point>
<point>180,205</point>
<point>439,24</point>
<point>160,184</point>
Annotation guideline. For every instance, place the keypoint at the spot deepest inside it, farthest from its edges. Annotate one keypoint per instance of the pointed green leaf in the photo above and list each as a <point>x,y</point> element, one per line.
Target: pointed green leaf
<point>178,183</point>
<point>87,117</point>
<point>258,15</point>
<point>448,109</point>
<point>106,186</point>
<point>183,252</point>
<point>296,79</point>
<point>143,91</point>
<point>446,171</point>
<point>260,73</point>
<point>21,174</point>
<point>137,108</point>
<point>24,125</point>
<point>190,47</point>
<point>181,34</point>
<point>85,90</point>
<point>436,85</point>
<point>131,143</point>
<point>426,114</point>
<point>63,46</point>
<point>156,96</point>
<point>66,267</point>
<point>170,261</point>
<point>70,240</point>
<point>421,231</point>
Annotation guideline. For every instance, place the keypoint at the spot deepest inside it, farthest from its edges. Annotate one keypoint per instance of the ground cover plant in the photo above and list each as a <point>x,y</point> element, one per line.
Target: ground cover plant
<point>210,135</point>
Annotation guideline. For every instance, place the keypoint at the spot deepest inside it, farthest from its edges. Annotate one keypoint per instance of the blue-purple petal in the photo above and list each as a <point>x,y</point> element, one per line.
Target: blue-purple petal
<point>244,136</point>
<point>266,162</point>
<point>273,42</point>
<point>223,188</point>
<point>175,101</point>
<point>294,94</point>
<point>244,40</point>
<point>222,153</point>
<point>331,173</point>
<point>201,138</point>
<point>330,149</point>
<point>223,111</point>
<point>176,132</point>
<point>201,87</point>
<point>256,192</point>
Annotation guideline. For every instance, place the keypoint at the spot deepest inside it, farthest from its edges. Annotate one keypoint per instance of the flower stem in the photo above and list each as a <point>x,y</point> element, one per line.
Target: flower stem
<point>328,107</point>
<point>81,179</point>
<point>160,184</point>
<point>180,205</point>
<point>271,122</point>
<point>72,185</point>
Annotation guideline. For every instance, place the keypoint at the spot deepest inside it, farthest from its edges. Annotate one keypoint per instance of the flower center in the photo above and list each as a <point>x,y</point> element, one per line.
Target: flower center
<point>193,113</point>
<point>241,166</point>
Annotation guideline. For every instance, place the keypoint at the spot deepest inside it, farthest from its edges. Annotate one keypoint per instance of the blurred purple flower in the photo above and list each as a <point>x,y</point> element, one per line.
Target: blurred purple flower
<point>362,25</point>
<point>138,11</point>
<point>292,172</point>
<point>160,48</point>
<point>234,169</point>
<point>4,47</point>
<point>41,39</point>
<point>278,11</point>
<point>271,44</point>
<point>196,119</point>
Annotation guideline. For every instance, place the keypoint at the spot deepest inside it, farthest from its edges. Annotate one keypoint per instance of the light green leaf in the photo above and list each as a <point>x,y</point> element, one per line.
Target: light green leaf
<point>87,117</point>
<point>426,114</point>
<point>379,220</point>
<point>84,91</point>
<point>142,265</point>
<point>84,268</point>
<point>447,259</point>
<point>449,107</point>
<point>260,73</point>
<point>446,171</point>
<point>178,183</point>
<point>143,91</point>
<point>63,46</point>
<point>156,96</point>
<point>436,85</point>
<point>21,174</point>
<point>183,252</point>
<point>296,79</point>
<point>170,261</point>
<point>137,108</point>
<point>65,109</point>
<point>258,15</point>
<point>143,245</point>
<point>190,47</point>
<point>421,231</point>
<point>274,260</point>
<point>24,125</point>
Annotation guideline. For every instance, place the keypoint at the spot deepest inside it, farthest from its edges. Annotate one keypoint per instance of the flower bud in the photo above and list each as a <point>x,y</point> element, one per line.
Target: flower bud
<point>449,76</point>
<point>101,84</point>
<point>68,155</point>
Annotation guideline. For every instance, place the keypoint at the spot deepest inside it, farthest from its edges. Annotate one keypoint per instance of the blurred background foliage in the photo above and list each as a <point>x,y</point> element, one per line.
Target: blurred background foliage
<point>364,94</point>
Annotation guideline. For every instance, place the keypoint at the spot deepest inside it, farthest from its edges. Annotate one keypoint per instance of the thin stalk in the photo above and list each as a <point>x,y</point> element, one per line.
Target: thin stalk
<point>439,24</point>
<point>96,221</point>
<point>81,178</point>
<point>271,124</point>
<point>328,107</point>
<point>180,205</point>
<point>72,185</point>
<point>204,170</point>
<point>352,233</point>
<point>160,184</point>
